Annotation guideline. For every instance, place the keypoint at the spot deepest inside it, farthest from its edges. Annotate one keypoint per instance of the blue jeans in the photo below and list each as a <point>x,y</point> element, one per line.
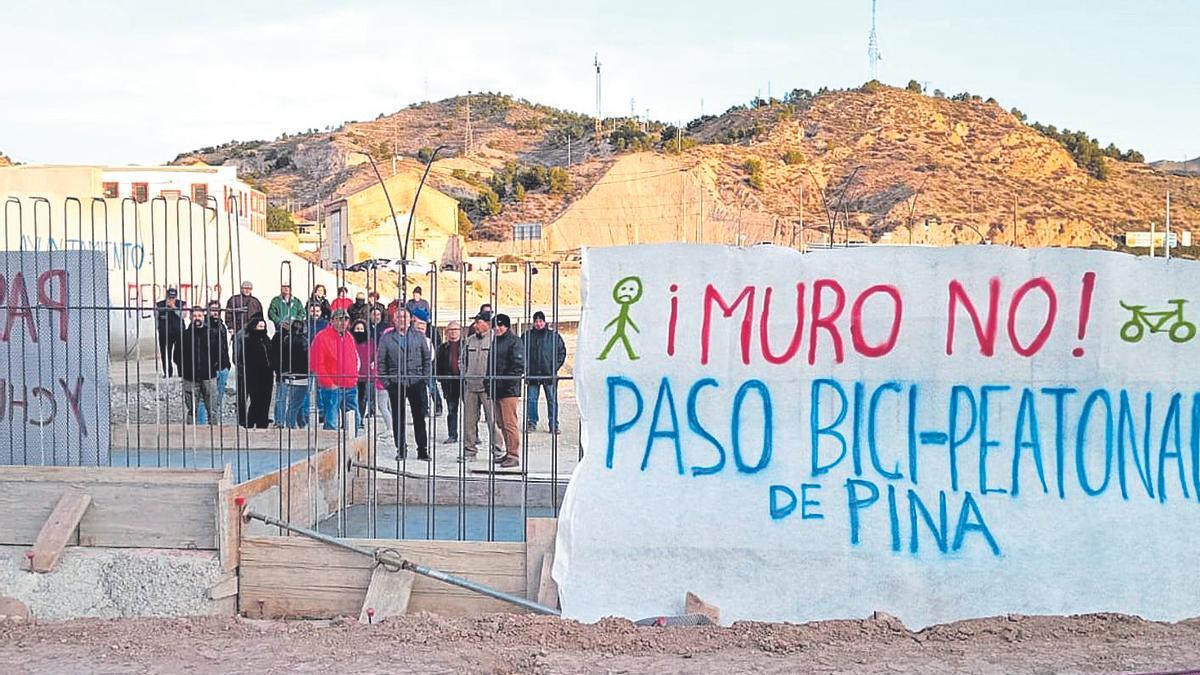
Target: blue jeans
<point>295,398</point>
<point>335,402</point>
<point>280,416</point>
<point>551,388</point>
<point>202,413</point>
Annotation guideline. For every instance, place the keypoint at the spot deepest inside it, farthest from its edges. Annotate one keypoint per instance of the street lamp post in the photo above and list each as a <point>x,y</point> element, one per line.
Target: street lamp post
<point>912,207</point>
<point>840,203</point>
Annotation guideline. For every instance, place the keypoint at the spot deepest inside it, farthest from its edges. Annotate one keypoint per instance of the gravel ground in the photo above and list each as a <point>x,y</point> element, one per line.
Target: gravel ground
<point>157,401</point>
<point>424,643</point>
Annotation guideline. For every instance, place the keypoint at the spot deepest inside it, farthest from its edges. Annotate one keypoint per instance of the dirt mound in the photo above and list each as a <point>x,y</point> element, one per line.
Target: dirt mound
<point>532,644</point>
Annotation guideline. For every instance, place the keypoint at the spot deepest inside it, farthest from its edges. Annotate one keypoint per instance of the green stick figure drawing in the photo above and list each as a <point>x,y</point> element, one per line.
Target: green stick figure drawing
<point>625,293</point>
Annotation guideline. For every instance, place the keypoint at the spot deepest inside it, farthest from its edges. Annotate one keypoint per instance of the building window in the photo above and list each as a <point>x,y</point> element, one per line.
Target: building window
<point>141,192</point>
<point>111,190</point>
<point>169,194</point>
<point>199,193</point>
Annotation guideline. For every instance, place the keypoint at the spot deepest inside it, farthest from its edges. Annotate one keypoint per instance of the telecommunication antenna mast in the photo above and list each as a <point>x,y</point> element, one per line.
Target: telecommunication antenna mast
<point>873,56</point>
<point>596,62</point>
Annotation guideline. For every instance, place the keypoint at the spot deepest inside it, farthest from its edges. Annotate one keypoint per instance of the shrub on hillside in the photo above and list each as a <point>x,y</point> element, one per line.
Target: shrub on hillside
<point>464,223</point>
<point>754,173</point>
<point>279,220</point>
<point>488,203</point>
<point>425,154</point>
<point>519,192</point>
<point>560,181</point>
<point>914,86</point>
<point>792,157</point>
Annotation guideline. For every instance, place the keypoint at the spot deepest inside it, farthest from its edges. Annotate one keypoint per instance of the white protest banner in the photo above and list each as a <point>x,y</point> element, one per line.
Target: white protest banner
<point>54,396</point>
<point>934,433</point>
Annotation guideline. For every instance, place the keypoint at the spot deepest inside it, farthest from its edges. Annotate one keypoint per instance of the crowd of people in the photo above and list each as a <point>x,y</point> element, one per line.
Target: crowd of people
<point>362,358</point>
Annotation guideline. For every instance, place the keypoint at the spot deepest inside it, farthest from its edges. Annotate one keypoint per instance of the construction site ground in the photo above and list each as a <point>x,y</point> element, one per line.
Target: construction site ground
<point>505,643</point>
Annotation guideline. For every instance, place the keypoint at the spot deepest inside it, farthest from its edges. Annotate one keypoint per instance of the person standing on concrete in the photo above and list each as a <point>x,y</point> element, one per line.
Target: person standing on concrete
<point>218,326</point>
<point>367,374</point>
<point>507,366</point>
<point>405,364</point>
<point>546,352</point>
<point>199,359</point>
<point>318,298</point>
<point>473,364</point>
<point>445,367</point>
<point>420,321</point>
<point>285,307</point>
<point>333,361</point>
<point>289,359</point>
<point>240,308</point>
<point>168,326</point>
<point>255,380</point>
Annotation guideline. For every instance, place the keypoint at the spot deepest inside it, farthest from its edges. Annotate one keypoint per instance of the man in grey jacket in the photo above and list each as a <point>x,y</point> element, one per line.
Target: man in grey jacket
<point>405,364</point>
<point>473,361</point>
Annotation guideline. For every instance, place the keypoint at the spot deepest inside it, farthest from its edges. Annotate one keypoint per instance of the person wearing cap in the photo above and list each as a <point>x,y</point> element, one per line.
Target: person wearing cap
<point>445,368</point>
<point>473,364</point>
<point>285,307</point>
<point>546,353</point>
<point>405,363</point>
<point>218,326</point>
<point>168,327</point>
<point>333,361</point>
<point>239,308</point>
<point>199,359</point>
<point>504,374</point>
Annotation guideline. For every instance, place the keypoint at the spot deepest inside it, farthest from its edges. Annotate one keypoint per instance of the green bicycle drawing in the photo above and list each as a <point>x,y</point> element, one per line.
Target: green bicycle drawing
<point>1169,321</point>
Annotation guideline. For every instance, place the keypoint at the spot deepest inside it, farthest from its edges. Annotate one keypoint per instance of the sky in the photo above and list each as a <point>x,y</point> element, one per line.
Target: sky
<point>132,82</point>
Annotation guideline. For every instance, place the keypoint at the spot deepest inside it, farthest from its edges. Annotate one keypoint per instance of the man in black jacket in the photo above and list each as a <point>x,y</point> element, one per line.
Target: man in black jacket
<point>168,326</point>
<point>504,375</point>
<point>546,352</point>
<point>198,359</point>
<point>446,368</point>
<point>216,324</point>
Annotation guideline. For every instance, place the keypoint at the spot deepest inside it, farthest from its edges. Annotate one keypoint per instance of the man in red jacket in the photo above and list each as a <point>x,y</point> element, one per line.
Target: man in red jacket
<point>333,361</point>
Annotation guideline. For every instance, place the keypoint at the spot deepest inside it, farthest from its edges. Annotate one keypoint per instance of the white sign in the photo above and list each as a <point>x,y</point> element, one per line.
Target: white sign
<point>54,397</point>
<point>1144,239</point>
<point>934,433</point>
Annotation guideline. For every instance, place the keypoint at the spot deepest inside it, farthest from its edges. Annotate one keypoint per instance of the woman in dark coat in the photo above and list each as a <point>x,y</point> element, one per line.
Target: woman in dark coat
<point>256,379</point>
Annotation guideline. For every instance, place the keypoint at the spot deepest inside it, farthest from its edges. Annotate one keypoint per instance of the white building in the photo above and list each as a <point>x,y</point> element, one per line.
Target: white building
<point>198,182</point>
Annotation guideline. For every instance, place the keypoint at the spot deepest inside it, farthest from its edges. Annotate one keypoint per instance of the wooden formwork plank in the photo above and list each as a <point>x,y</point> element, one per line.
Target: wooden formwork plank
<point>108,474</point>
<point>387,594</point>
<point>58,529</point>
<point>124,514</point>
<point>539,538</point>
<point>547,593</point>
<point>301,578</point>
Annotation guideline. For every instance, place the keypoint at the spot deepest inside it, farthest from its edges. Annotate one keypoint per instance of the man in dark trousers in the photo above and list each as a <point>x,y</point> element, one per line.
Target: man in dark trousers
<point>404,365</point>
<point>199,359</point>
<point>504,375</point>
<point>546,352</point>
<point>168,326</point>
<point>446,367</point>
<point>216,324</point>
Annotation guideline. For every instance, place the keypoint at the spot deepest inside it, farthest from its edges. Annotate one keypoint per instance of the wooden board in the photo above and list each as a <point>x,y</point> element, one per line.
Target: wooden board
<point>58,529</point>
<point>300,578</point>
<point>547,593</point>
<point>387,595</point>
<point>539,538</point>
<point>131,508</point>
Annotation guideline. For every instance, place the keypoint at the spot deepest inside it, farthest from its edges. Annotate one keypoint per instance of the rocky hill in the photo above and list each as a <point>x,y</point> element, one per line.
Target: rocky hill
<point>1189,168</point>
<point>882,157</point>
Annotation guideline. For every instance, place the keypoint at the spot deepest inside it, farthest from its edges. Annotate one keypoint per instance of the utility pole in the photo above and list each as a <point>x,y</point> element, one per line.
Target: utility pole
<point>1167,243</point>
<point>469,141</point>
<point>596,61</point>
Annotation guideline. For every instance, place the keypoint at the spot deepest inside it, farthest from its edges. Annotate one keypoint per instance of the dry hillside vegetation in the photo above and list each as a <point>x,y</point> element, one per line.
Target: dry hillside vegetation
<point>974,170</point>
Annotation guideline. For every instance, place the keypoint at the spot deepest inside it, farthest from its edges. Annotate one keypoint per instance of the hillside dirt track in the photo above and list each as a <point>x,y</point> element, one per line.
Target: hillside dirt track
<point>505,643</point>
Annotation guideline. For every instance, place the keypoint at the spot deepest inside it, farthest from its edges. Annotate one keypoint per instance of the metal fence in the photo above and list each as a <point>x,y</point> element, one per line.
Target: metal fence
<point>92,364</point>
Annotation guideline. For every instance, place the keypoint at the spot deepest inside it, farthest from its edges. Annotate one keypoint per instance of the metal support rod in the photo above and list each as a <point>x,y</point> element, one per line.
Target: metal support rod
<point>393,561</point>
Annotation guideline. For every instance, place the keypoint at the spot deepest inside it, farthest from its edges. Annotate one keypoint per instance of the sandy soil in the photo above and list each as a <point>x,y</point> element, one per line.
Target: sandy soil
<point>530,644</point>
